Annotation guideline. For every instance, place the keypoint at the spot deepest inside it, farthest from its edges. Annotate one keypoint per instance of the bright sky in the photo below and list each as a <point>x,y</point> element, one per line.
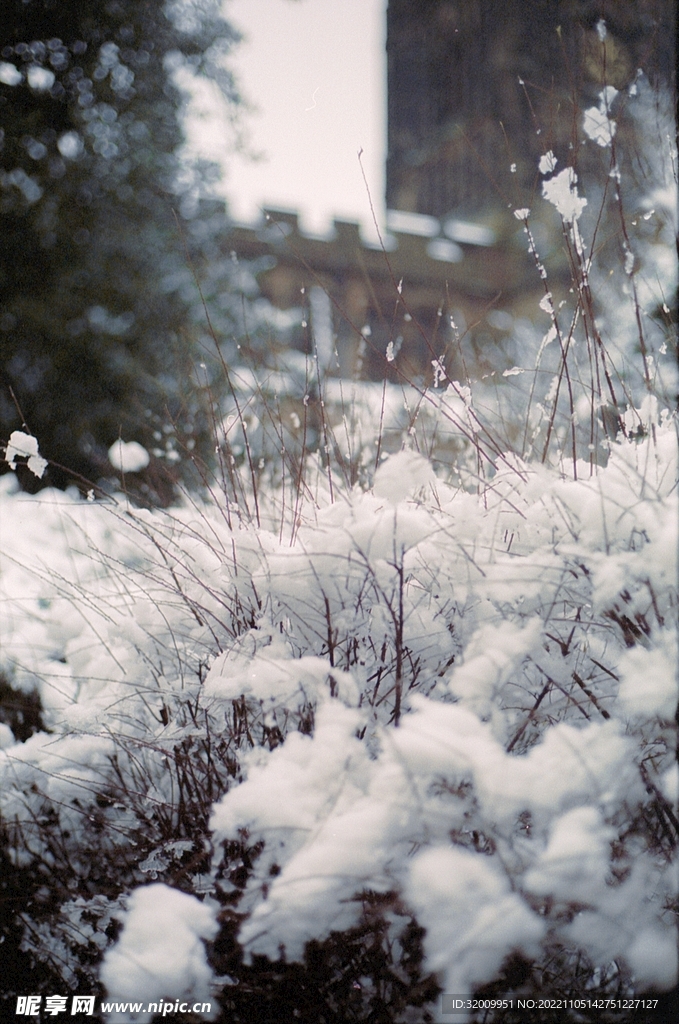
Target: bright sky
<point>315,72</point>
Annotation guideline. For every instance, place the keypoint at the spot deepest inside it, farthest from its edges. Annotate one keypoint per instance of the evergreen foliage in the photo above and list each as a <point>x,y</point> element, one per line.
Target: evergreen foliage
<point>95,339</point>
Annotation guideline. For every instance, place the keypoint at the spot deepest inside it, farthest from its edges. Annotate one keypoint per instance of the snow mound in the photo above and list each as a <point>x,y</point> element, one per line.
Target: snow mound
<point>401,475</point>
<point>160,954</point>
<point>472,917</point>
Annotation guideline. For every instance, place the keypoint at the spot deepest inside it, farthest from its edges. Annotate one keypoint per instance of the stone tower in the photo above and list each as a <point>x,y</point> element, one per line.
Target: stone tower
<point>478,86</point>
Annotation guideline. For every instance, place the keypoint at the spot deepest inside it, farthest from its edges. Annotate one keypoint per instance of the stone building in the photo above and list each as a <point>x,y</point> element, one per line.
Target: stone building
<point>477,90</point>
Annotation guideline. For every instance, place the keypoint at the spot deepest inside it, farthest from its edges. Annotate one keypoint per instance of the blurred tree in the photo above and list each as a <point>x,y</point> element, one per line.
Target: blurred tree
<point>96,337</point>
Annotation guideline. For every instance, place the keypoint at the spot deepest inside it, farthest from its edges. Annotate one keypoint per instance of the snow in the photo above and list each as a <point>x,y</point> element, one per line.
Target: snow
<point>6,736</point>
<point>472,917</point>
<point>653,957</point>
<point>598,126</point>
<point>278,681</point>
<point>489,660</point>
<point>401,475</point>
<point>629,924</point>
<point>160,954</point>
<point>649,685</point>
<point>318,825</point>
<point>128,456</point>
<point>597,123</point>
<point>23,445</point>
<point>570,766</point>
<point>547,163</point>
<point>562,193</point>
<point>574,866</point>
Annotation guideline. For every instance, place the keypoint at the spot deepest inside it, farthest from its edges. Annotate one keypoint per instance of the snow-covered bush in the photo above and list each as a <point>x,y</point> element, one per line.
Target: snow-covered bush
<point>371,726</point>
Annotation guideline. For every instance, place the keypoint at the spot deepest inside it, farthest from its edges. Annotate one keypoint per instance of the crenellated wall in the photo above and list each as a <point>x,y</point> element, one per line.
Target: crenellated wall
<point>409,288</point>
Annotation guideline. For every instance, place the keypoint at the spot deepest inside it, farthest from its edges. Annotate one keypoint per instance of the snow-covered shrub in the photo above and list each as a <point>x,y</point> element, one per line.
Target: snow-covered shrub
<point>370,726</point>
<point>555,588</point>
<point>207,684</point>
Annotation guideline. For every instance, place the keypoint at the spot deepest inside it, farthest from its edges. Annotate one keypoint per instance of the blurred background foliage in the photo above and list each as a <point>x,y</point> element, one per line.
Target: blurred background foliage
<point>102,230</point>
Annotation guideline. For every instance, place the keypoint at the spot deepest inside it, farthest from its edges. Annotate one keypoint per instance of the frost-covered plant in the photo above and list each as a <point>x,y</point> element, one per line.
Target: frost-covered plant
<point>370,726</point>
<point>609,286</point>
<point>522,639</point>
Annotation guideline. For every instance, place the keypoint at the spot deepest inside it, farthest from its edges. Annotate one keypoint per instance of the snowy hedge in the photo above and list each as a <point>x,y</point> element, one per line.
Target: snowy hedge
<point>209,687</point>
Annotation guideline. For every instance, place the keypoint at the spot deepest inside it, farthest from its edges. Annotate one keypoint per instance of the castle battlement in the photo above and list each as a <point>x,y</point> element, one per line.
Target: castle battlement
<point>408,287</point>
